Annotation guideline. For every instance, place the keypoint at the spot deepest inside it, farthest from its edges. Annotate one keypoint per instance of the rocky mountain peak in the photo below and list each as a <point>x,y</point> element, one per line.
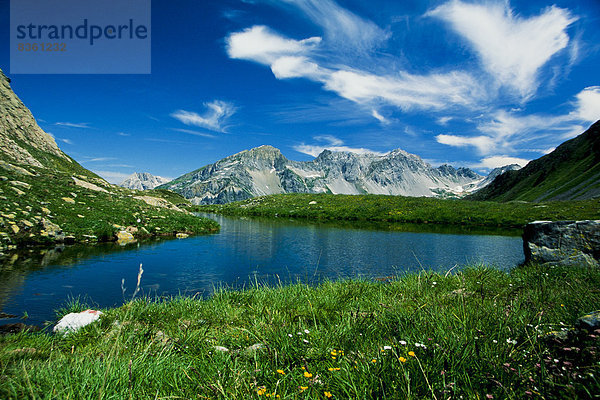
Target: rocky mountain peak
<point>143,181</point>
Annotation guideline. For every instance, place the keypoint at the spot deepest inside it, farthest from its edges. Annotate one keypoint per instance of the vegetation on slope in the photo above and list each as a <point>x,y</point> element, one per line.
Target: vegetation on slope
<point>480,333</point>
<point>38,206</point>
<point>571,171</point>
<point>407,209</point>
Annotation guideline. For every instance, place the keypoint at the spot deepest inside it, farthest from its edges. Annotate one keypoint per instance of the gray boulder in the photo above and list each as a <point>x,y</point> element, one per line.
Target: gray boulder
<point>563,242</point>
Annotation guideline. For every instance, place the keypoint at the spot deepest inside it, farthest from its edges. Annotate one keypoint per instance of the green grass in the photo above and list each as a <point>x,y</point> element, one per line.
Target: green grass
<point>484,333</point>
<point>86,215</point>
<point>408,209</point>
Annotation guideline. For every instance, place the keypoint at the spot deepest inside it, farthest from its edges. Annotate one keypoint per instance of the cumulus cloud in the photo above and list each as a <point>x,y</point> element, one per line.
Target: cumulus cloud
<point>214,118</point>
<point>334,144</point>
<point>511,48</point>
<point>262,45</point>
<point>588,104</point>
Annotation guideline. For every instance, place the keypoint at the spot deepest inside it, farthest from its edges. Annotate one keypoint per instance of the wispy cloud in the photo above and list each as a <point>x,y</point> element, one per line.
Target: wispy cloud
<point>123,134</point>
<point>67,141</point>
<point>290,58</point>
<point>214,118</point>
<point>192,132</point>
<point>97,159</point>
<point>499,161</point>
<point>81,125</point>
<point>511,48</point>
<point>333,144</point>
<point>511,132</point>
<point>113,177</point>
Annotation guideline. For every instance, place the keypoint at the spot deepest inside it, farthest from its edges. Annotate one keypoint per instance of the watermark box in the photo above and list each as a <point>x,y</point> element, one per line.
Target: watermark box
<point>80,37</point>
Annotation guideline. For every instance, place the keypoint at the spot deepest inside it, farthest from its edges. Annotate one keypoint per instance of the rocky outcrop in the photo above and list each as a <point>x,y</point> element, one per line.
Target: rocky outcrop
<point>264,170</point>
<point>143,181</point>
<point>21,139</point>
<point>563,242</point>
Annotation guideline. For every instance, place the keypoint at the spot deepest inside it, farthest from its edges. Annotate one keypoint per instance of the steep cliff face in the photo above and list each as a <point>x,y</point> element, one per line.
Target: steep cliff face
<point>264,170</point>
<point>143,181</point>
<point>22,141</point>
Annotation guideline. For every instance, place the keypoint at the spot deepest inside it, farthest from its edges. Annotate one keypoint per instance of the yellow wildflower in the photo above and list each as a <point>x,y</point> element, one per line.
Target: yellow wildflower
<point>373,360</point>
<point>328,395</point>
<point>334,369</point>
<point>307,374</point>
<point>281,371</point>
<point>412,354</point>
<point>402,359</point>
<point>303,388</point>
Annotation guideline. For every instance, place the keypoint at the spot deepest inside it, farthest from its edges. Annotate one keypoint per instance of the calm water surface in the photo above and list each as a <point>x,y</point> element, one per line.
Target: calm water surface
<point>244,251</point>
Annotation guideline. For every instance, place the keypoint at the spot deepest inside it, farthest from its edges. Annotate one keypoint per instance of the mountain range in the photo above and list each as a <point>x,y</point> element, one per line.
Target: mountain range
<point>143,181</point>
<point>264,170</point>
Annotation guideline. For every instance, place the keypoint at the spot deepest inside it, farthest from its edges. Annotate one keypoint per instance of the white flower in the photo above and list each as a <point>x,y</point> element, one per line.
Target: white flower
<point>290,335</point>
<point>510,341</point>
<point>403,342</point>
<point>387,347</point>
<point>306,331</point>
<point>305,341</point>
<point>495,341</point>
<point>299,333</point>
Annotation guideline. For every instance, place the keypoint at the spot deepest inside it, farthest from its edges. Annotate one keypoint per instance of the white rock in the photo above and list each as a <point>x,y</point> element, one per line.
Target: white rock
<point>74,321</point>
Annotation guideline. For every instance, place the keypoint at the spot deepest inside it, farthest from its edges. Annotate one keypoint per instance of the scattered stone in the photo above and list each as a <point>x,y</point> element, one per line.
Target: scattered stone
<point>52,230</point>
<point>45,210</point>
<point>81,216</point>
<point>3,178</point>
<point>124,237</point>
<point>21,184</point>
<point>563,242</point>
<point>74,321</point>
<point>254,347</point>
<point>27,223</point>
<point>16,328</point>
<point>15,229</point>
<point>88,185</point>
<point>9,216</point>
<point>68,200</point>
<point>18,191</point>
<point>131,229</point>
<point>182,235</point>
<point>589,322</point>
<point>156,202</point>
<point>25,350</point>
<point>222,349</point>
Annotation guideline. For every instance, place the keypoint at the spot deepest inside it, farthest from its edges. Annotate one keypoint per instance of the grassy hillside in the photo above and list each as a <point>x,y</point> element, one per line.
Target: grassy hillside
<point>36,202</point>
<point>407,209</point>
<point>571,171</point>
<point>480,333</point>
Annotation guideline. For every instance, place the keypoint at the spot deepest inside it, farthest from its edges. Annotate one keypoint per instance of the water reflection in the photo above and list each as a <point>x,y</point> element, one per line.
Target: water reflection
<point>245,250</point>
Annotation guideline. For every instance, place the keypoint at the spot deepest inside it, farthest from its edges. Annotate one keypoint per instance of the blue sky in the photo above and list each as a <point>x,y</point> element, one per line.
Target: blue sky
<point>470,83</point>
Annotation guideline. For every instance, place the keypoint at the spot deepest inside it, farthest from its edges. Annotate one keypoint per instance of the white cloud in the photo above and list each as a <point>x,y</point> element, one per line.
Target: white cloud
<point>343,29</point>
<point>82,125</point>
<point>379,117</point>
<point>214,118</point>
<point>67,141</point>
<point>262,45</point>
<point>334,144</point>
<point>484,144</point>
<point>123,134</point>
<point>588,104</point>
<point>192,132</point>
<point>444,120</point>
<point>511,48</point>
<point>500,161</point>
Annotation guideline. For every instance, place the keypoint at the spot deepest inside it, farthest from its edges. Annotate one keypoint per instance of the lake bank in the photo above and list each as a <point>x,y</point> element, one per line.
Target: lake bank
<point>479,332</point>
<point>245,251</point>
<point>415,210</point>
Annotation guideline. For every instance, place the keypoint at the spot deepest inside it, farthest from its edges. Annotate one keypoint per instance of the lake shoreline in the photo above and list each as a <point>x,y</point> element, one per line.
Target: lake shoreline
<point>477,332</point>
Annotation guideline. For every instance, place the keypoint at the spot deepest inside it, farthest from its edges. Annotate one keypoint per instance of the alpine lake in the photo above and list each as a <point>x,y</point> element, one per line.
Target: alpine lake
<point>36,282</point>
